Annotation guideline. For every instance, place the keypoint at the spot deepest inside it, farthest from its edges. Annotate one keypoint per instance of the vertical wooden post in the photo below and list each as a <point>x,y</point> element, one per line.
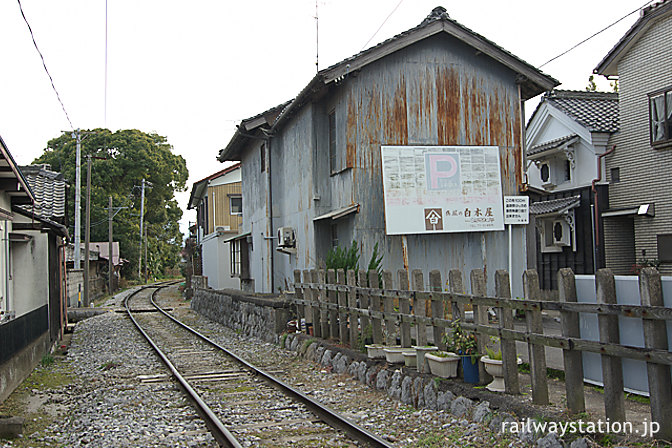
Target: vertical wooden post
<point>332,297</point>
<point>365,322</point>
<point>308,296</point>
<point>298,293</point>
<point>353,317</point>
<point>375,305</point>
<point>573,359</point>
<point>342,304</point>
<point>478,288</point>
<point>437,308</point>
<point>509,356</point>
<point>404,308</point>
<point>419,308</point>
<point>456,287</point>
<point>324,318</point>
<point>612,368</point>
<point>388,308</point>
<point>655,337</point>
<point>537,352</point>
<point>315,298</point>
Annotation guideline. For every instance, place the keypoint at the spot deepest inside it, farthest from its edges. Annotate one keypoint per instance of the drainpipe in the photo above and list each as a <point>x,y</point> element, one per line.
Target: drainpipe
<point>596,215</point>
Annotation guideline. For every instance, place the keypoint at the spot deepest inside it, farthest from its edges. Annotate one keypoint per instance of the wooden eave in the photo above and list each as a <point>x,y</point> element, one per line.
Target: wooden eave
<point>609,64</point>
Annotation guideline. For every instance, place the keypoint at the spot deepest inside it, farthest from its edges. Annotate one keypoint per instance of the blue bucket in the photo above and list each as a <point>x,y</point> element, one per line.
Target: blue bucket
<point>470,369</point>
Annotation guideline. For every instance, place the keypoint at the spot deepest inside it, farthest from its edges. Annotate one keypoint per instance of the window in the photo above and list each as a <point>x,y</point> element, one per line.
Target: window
<point>615,175</point>
<point>239,257</point>
<point>236,205</point>
<point>545,172</point>
<point>665,248</point>
<point>332,142</point>
<point>235,258</point>
<point>660,112</point>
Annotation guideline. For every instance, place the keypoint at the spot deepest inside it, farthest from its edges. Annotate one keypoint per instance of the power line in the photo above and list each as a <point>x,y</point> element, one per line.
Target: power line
<point>599,32</point>
<point>44,64</point>
<point>382,24</point>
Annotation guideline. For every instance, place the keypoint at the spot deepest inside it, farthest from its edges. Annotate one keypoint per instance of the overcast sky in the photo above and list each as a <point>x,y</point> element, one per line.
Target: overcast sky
<point>192,70</point>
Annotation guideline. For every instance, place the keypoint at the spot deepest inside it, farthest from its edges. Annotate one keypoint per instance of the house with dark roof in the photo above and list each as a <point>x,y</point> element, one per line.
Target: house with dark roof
<point>567,136</point>
<point>638,223</point>
<point>438,102</point>
<point>32,237</point>
<point>218,202</point>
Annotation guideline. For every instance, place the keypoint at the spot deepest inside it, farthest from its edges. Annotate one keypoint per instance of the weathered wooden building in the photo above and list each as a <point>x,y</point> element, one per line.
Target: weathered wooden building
<point>638,224</point>
<point>312,171</point>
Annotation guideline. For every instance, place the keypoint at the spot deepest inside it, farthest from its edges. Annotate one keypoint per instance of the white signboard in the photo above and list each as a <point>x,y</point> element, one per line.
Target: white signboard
<point>442,189</point>
<point>516,210</point>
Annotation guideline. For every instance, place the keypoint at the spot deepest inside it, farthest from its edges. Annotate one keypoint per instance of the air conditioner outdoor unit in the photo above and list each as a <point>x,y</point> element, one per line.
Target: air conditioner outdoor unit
<point>286,237</point>
<point>223,229</point>
<point>562,234</point>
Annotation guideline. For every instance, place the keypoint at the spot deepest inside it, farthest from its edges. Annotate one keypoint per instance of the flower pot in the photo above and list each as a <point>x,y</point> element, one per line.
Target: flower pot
<point>421,351</point>
<point>375,351</point>
<point>470,369</point>
<point>394,354</point>
<point>410,358</point>
<point>443,366</point>
<point>495,368</point>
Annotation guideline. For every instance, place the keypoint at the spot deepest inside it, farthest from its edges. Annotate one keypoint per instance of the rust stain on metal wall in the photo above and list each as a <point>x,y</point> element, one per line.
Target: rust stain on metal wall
<point>351,133</point>
<point>395,119</point>
<point>449,118</point>
<point>495,119</point>
<point>474,106</point>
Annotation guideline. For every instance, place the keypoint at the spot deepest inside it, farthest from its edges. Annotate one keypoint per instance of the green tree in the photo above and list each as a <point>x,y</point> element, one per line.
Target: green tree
<point>122,159</point>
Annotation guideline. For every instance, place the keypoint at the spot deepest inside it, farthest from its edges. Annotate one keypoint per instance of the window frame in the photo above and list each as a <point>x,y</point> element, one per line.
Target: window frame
<point>231,198</point>
<point>667,118</point>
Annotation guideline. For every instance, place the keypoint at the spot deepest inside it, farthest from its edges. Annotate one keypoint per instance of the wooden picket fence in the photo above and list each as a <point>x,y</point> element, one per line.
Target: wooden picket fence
<point>340,305</point>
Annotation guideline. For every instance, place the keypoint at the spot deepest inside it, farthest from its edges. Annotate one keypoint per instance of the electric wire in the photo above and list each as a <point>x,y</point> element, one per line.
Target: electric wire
<point>383,24</point>
<point>44,64</point>
<point>599,32</point>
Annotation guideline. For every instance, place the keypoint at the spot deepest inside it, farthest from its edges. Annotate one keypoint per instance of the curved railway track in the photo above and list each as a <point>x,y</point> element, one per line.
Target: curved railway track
<point>241,404</point>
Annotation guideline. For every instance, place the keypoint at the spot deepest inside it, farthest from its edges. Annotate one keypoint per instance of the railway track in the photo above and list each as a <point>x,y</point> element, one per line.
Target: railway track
<point>241,404</point>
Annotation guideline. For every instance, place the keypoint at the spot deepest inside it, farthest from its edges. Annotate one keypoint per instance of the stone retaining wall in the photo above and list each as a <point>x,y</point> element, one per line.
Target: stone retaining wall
<point>426,391</point>
<point>259,317</point>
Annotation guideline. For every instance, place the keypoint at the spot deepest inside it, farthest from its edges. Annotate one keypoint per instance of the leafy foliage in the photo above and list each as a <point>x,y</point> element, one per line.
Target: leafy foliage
<point>341,258</point>
<point>460,341</point>
<point>122,159</point>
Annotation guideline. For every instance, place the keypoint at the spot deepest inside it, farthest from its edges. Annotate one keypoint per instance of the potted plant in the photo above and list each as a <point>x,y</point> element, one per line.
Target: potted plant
<point>494,366</point>
<point>443,364</point>
<point>375,351</point>
<point>410,357</point>
<point>420,352</point>
<point>464,344</point>
<point>394,354</point>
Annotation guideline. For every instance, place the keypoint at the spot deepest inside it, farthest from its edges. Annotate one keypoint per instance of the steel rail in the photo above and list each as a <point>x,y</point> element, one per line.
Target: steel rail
<point>328,416</point>
<point>222,435</point>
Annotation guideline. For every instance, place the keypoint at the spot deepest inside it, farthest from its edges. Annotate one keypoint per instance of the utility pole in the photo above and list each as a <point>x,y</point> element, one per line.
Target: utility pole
<point>142,212</point>
<point>87,231</point>
<point>110,264</point>
<point>146,254</point>
<point>78,199</point>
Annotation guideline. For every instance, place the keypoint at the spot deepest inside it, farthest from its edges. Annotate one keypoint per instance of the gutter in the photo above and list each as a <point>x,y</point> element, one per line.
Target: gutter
<point>595,196</point>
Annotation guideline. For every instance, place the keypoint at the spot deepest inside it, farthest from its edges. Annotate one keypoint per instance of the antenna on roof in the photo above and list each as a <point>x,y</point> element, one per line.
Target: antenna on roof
<point>317,39</point>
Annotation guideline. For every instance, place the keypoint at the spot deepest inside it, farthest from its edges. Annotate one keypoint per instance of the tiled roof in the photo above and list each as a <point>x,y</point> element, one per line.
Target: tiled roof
<point>554,205</point>
<point>597,111</point>
<point>49,190</point>
<point>551,144</point>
